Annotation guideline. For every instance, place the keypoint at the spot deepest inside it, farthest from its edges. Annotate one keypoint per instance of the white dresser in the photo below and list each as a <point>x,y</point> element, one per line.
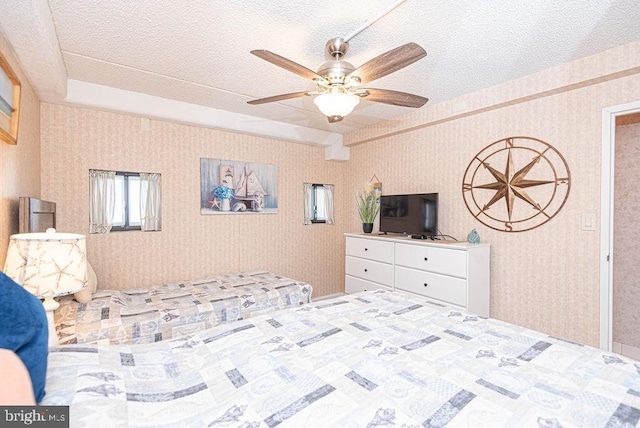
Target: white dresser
<point>456,273</point>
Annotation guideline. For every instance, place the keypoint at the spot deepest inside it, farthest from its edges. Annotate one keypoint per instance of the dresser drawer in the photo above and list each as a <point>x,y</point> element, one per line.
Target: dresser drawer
<point>434,259</point>
<point>371,249</point>
<point>369,270</point>
<point>441,287</point>
<point>355,285</point>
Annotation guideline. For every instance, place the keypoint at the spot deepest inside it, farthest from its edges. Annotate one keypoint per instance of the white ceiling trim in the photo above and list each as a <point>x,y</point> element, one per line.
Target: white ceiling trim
<point>120,100</point>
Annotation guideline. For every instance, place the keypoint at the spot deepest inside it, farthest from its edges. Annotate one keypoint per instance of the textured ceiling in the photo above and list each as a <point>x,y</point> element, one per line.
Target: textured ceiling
<point>198,51</point>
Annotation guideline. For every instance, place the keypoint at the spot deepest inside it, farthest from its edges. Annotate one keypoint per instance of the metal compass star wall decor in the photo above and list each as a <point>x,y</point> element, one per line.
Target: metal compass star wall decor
<point>516,184</point>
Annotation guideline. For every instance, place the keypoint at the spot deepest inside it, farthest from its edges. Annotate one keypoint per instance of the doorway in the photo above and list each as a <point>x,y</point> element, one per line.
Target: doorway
<point>613,254</point>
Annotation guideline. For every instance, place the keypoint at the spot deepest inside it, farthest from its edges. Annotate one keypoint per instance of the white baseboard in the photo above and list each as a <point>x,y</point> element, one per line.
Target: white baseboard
<point>626,350</point>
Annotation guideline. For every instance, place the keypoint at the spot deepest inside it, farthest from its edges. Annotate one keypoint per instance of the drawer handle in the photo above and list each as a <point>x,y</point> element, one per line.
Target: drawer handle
<point>366,270</point>
<point>425,284</point>
<point>426,258</point>
<point>366,249</point>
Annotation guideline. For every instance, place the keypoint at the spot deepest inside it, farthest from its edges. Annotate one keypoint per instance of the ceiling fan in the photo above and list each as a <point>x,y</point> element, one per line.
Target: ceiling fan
<point>338,81</point>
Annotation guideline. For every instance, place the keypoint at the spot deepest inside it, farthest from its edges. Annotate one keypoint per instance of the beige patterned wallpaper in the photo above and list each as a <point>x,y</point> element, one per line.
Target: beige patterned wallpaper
<point>626,247</point>
<point>19,164</point>
<point>190,245</point>
<point>546,278</point>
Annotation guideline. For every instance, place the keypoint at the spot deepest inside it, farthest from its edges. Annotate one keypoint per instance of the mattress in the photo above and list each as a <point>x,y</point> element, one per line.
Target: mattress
<point>146,315</point>
<point>372,359</point>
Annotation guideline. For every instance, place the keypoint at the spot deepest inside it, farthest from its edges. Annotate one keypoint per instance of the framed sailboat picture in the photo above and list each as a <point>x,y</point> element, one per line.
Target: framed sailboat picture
<point>237,187</point>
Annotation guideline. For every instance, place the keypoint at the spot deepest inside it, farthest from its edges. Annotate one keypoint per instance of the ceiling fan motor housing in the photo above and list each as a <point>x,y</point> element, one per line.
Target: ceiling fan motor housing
<point>335,71</point>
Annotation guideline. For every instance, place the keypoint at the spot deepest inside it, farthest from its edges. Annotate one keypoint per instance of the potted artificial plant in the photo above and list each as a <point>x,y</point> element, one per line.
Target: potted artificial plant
<point>368,209</point>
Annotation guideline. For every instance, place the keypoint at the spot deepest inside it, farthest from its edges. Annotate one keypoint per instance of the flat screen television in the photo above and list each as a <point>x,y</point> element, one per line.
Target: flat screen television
<point>412,214</point>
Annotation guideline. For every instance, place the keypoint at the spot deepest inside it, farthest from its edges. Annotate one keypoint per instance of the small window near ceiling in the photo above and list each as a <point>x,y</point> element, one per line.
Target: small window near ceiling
<point>127,204</point>
<point>318,203</point>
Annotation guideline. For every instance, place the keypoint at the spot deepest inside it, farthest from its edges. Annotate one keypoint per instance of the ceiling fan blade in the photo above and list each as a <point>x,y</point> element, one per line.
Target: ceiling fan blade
<point>388,62</point>
<point>395,98</point>
<point>334,119</point>
<point>278,98</point>
<point>287,64</point>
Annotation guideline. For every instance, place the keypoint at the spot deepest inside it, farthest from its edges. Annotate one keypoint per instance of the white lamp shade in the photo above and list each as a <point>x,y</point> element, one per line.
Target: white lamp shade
<point>47,264</point>
<point>336,103</point>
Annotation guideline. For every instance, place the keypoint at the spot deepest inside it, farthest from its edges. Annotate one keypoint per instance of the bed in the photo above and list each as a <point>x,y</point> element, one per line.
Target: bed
<point>146,315</point>
<point>371,359</point>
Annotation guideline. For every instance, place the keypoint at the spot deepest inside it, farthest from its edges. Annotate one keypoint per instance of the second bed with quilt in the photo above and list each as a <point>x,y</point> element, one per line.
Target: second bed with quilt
<point>152,314</point>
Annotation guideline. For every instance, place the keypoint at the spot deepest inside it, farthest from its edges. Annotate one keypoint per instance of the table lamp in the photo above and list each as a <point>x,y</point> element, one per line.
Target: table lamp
<point>48,265</point>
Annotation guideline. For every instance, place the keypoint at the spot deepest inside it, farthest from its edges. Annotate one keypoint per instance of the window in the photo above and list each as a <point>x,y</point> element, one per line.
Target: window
<point>318,203</point>
<point>124,201</point>
<point>127,203</point>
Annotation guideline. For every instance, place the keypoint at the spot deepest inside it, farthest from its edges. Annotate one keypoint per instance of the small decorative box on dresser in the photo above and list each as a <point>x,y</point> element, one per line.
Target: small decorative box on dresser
<point>456,273</point>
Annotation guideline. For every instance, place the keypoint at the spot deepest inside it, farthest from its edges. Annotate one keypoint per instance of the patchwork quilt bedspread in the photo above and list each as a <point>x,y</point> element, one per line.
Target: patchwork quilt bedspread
<point>373,359</point>
<point>146,315</point>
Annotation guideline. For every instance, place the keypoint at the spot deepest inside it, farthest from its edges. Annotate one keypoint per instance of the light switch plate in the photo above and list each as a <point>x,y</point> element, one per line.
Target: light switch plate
<point>588,221</point>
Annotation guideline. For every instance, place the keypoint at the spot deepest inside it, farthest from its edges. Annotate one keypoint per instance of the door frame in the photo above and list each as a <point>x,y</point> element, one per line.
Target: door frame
<point>609,115</point>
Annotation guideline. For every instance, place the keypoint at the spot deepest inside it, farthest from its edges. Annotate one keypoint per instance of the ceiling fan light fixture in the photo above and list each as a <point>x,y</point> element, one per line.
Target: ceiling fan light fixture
<point>336,103</point>
<point>338,81</point>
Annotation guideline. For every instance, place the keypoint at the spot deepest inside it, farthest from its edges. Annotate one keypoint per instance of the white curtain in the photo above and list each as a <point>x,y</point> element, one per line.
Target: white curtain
<point>328,193</point>
<point>308,203</point>
<point>150,202</point>
<point>102,186</point>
